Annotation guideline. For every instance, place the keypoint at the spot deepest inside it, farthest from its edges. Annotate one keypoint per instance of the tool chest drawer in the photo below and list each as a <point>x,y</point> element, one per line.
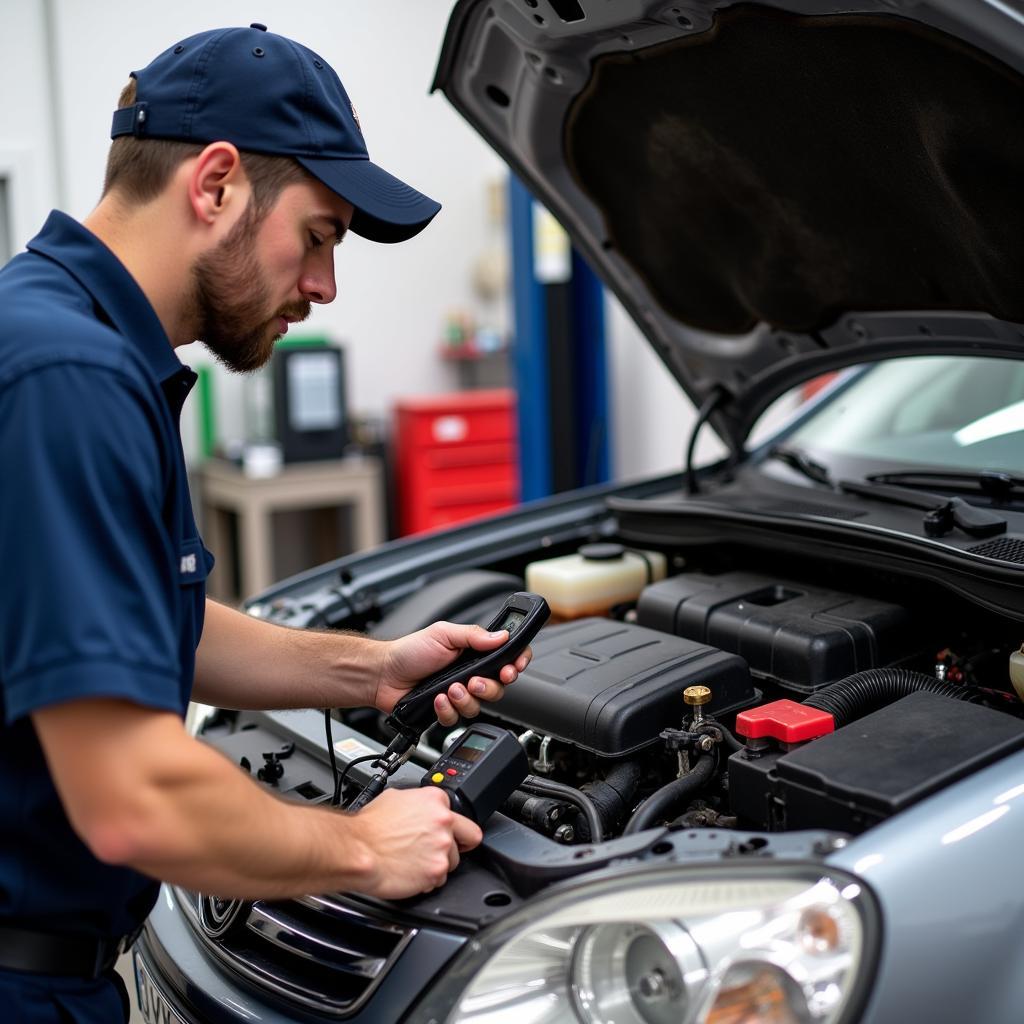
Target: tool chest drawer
<point>456,457</point>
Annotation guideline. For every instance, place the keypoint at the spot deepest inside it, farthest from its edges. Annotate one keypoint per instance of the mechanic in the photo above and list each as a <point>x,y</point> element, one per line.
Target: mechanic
<point>237,164</point>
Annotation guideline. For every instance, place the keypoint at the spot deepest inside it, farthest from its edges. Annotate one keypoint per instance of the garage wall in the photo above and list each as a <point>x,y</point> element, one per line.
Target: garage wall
<point>653,417</point>
<point>27,159</point>
<point>392,300</point>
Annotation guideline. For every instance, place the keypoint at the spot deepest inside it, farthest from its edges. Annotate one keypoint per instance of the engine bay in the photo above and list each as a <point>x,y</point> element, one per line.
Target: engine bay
<point>727,697</point>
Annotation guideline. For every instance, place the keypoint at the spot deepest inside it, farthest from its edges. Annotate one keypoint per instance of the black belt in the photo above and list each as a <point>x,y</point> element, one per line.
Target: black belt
<point>78,956</point>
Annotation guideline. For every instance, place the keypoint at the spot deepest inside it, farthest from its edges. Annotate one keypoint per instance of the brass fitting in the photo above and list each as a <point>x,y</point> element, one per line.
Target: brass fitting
<point>696,697</point>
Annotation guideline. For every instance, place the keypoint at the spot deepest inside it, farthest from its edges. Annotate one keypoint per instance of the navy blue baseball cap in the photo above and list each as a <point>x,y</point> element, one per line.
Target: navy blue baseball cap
<point>268,94</point>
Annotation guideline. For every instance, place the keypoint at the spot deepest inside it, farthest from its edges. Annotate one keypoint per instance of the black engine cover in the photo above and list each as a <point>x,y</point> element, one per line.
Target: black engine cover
<point>798,636</point>
<point>611,687</point>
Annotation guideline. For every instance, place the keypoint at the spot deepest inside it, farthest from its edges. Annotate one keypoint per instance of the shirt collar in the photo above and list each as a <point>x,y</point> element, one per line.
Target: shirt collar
<point>65,241</point>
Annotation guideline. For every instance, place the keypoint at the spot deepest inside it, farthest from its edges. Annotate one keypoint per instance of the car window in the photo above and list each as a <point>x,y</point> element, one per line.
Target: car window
<point>948,411</point>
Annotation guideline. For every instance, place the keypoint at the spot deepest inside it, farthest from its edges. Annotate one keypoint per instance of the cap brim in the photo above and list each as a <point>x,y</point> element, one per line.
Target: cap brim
<point>386,209</point>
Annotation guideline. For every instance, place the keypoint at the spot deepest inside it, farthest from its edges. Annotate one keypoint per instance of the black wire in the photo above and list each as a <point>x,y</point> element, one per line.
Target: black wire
<point>730,742</point>
<point>708,406</point>
<point>341,778</point>
<point>330,754</point>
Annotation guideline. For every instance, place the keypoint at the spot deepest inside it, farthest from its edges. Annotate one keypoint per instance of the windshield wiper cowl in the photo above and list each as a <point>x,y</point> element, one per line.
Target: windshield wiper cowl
<point>942,513</point>
<point>994,483</point>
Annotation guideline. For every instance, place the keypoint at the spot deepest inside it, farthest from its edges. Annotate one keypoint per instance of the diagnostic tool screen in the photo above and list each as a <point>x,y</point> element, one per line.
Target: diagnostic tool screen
<point>472,747</point>
<point>513,621</point>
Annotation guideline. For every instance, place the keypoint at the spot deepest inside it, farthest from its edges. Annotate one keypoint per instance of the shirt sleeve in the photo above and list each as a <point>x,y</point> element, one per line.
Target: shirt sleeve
<point>88,607</point>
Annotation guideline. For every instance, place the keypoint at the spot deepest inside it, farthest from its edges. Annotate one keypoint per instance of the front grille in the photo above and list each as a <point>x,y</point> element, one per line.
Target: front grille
<point>325,953</point>
<point>1005,549</point>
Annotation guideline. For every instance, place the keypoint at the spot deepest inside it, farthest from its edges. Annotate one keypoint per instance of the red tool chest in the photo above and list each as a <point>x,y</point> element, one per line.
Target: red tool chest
<point>456,457</point>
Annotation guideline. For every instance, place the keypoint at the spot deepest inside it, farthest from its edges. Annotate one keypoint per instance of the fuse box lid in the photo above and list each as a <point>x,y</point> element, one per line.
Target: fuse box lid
<point>898,755</point>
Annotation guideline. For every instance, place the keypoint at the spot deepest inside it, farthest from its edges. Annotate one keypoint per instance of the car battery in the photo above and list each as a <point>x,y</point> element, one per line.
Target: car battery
<point>869,770</point>
<point>611,687</point>
<point>799,637</point>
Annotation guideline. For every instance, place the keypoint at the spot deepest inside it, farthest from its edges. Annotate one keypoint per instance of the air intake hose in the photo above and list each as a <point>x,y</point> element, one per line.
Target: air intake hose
<point>661,801</point>
<point>570,795</point>
<point>614,795</point>
<point>858,695</point>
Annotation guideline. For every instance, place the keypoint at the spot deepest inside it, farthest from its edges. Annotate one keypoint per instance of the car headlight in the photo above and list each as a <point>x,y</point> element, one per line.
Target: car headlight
<point>764,944</point>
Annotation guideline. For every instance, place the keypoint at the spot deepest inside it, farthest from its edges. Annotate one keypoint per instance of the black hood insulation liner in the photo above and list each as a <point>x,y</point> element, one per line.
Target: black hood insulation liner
<point>792,168</point>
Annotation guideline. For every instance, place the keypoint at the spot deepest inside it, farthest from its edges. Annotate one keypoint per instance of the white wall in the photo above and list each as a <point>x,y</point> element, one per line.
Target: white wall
<point>27,158</point>
<point>392,300</point>
<point>653,417</point>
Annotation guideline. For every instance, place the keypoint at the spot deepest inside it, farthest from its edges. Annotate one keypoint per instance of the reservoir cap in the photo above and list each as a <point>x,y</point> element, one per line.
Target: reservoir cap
<point>602,552</point>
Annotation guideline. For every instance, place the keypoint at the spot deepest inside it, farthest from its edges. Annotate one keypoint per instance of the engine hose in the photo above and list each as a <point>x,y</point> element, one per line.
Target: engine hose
<point>571,795</point>
<point>539,812</point>
<point>858,695</point>
<point>613,795</point>
<point>661,801</point>
<point>727,739</point>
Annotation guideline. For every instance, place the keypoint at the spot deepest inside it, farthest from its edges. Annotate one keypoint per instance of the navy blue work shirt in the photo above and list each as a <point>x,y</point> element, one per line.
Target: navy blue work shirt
<point>104,572</point>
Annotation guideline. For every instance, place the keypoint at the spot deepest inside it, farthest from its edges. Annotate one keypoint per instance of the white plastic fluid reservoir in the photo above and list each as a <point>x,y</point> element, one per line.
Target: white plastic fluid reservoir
<point>595,579</point>
<point>1016,671</point>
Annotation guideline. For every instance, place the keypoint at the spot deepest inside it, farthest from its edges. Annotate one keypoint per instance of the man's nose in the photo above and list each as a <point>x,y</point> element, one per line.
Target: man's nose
<point>318,284</point>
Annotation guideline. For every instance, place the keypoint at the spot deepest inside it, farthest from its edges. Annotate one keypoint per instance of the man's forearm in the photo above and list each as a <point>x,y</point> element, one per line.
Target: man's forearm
<point>212,829</point>
<point>244,662</point>
<point>183,813</point>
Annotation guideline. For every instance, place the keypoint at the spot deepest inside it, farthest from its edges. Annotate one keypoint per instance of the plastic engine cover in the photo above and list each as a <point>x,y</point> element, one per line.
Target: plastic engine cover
<point>611,687</point>
<point>799,636</point>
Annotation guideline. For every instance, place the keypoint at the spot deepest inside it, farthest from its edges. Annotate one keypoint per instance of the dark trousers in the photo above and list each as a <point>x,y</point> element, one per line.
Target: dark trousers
<point>43,999</point>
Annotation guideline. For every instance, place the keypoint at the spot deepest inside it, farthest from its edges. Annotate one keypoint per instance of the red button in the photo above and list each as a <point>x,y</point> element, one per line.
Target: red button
<point>452,771</point>
<point>785,721</point>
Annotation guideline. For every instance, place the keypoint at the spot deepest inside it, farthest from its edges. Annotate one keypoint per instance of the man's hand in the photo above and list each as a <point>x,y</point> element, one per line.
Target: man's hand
<point>416,839</point>
<point>412,658</point>
<point>141,793</point>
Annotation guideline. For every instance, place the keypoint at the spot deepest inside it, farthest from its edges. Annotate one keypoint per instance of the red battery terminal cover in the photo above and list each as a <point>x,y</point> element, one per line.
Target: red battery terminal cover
<point>785,721</point>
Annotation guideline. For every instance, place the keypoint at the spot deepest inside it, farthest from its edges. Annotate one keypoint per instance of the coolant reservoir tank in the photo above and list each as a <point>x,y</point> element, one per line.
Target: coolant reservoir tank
<point>595,579</point>
<point>1017,672</point>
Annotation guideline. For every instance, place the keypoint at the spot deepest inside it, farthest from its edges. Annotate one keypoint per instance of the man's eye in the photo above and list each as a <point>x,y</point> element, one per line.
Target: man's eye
<point>315,240</point>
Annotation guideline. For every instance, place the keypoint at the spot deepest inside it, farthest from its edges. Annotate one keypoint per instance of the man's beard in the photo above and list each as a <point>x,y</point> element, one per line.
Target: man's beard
<point>228,300</point>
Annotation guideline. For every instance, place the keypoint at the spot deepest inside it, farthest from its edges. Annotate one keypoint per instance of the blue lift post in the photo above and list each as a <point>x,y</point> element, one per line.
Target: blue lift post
<point>559,366</point>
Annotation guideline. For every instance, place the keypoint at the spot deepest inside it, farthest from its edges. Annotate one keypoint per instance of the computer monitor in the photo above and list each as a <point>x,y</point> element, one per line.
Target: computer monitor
<point>309,401</point>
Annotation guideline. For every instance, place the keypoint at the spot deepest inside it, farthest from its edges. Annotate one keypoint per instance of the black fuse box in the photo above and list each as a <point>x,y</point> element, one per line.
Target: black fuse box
<point>611,687</point>
<point>800,637</point>
<point>872,768</point>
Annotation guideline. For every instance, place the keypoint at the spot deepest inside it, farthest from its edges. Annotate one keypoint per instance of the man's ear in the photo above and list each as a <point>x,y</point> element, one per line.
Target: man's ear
<point>216,182</point>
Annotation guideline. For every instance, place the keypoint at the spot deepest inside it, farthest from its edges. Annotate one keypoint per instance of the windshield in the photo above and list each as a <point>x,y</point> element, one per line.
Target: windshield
<point>947,412</point>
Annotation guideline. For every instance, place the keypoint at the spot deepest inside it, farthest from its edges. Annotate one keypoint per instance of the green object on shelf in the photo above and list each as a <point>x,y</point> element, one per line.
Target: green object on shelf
<point>207,418</point>
<point>305,340</point>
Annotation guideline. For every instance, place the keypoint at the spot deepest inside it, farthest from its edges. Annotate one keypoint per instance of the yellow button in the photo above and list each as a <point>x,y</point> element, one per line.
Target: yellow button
<point>437,777</point>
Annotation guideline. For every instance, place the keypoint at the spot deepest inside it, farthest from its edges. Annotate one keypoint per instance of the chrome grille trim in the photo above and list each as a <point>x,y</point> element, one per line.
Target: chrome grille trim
<point>290,935</point>
<point>343,962</point>
<point>333,906</point>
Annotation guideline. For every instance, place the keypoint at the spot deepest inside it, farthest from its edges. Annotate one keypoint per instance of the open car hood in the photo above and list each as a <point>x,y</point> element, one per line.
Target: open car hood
<point>772,190</point>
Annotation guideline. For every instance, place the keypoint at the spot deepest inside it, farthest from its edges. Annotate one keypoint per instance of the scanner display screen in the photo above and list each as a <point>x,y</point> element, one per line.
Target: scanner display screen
<point>472,747</point>
<point>513,621</point>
